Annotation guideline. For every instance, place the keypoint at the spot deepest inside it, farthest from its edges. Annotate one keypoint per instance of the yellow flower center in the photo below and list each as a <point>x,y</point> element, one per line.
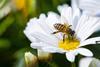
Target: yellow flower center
<point>69,44</point>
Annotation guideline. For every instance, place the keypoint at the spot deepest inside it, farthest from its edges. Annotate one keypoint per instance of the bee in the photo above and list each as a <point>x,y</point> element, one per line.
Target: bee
<point>65,29</point>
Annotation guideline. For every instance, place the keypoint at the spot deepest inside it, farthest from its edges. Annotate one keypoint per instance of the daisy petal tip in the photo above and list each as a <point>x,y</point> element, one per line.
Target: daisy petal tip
<point>85,52</point>
<point>71,60</point>
<point>31,45</point>
<point>70,57</point>
<point>91,54</point>
<point>42,15</point>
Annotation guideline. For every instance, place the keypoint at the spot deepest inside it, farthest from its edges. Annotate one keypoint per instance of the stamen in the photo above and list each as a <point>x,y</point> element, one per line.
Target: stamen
<point>69,44</point>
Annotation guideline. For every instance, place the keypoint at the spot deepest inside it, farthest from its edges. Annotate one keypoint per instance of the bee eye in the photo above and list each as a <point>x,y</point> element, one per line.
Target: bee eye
<point>72,33</point>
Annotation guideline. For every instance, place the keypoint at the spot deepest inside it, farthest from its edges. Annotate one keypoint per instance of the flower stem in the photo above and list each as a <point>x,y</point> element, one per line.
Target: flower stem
<point>52,64</point>
<point>73,64</point>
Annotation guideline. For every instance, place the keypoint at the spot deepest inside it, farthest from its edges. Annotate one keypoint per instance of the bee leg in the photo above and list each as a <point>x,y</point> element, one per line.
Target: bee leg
<point>55,32</point>
<point>69,25</point>
<point>63,37</point>
<point>72,34</point>
<point>69,37</point>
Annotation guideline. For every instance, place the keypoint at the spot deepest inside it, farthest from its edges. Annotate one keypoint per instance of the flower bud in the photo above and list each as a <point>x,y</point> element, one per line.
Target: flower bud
<point>89,62</point>
<point>44,56</point>
<point>31,60</point>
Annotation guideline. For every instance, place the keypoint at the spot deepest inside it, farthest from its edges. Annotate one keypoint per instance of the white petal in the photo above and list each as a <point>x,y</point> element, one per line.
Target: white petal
<point>90,7</point>
<point>74,4</point>
<point>32,39</point>
<point>88,27</point>
<point>89,62</point>
<point>89,4</point>
<point>52,19</point>
<point>95,28</point>
<point>90,41</point>
<point>81,22</point>
<point>67,14</point>
<point>84,51</point>
<point>61,7</point>
<point>84,24</point>
<point>76,17</point>
<point>43,24</point>
<point>49,39</point>
<point>91,23</point>
<point>98,14</point>
<point>52,49</point>
<point>70,56</point>
<point>95,63</point>
<point>32,26</point>
<point>38,45</point>
<point>85,62</point>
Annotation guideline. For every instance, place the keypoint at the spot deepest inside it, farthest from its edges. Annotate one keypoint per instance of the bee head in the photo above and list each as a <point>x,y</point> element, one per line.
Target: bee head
<point>72,32</point>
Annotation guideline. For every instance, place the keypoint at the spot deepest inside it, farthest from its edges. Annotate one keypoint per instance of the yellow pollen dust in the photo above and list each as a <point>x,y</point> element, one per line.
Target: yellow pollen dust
<point>69,44</point>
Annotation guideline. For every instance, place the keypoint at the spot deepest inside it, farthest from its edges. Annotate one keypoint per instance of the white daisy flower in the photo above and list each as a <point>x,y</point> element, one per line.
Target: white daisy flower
<point>89,62</point>
<point>90,7</point>
<point>39,31</point>
<point>85,62</point>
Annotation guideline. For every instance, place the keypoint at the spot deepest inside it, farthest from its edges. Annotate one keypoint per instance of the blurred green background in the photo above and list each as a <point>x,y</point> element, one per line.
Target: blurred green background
<point>14,14</point>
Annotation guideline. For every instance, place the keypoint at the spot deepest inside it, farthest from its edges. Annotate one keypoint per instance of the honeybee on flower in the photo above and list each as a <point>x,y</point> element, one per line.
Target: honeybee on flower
<point>65,29</point>
<point>39,32</point>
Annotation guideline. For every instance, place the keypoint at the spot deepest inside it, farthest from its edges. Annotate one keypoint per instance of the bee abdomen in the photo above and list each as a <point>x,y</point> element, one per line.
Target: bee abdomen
<point>59,26</point>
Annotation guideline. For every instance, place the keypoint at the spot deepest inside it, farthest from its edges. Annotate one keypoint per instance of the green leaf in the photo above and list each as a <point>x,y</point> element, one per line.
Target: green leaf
<point>5,24</point>
<point>4,44</point>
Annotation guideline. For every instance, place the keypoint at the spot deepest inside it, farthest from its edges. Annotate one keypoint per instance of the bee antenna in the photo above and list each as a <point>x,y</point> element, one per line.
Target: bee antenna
<point>69,25</point>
